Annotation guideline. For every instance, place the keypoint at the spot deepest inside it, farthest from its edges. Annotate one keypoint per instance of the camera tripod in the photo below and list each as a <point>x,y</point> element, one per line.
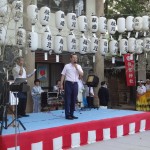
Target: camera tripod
<point>4,106</point>
<point>3,119</point>
<point>15,120</point>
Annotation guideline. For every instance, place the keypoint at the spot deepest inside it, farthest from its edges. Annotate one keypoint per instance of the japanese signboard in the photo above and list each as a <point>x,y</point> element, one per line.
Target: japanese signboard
<point>130,73</point>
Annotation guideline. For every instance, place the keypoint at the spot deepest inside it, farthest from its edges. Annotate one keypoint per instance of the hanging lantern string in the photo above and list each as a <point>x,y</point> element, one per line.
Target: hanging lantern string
<point>120,15</point>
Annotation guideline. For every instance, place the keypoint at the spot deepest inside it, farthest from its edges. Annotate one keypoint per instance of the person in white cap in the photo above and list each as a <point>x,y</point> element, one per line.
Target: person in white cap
<point>141,97</point>
<point>141,89</point>
<point>147,85</point>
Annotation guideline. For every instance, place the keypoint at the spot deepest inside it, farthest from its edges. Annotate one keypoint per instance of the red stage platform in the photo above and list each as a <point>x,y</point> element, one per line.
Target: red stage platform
<point>75,135</point>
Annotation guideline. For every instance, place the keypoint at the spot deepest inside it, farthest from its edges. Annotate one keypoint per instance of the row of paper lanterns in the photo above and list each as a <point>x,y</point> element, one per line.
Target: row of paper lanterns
<point>129,24</point>
<point>131,45</point>
<point>101,24</point>
<point>95,23</point>
<point>16,9</point>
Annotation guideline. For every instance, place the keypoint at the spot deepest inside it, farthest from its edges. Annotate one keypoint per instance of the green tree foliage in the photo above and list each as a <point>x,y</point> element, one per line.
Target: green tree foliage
<point>126,7</point>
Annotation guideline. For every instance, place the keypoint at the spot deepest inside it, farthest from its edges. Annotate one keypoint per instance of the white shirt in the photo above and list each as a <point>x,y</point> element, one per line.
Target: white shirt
<point>55,88</point>
<point>147,87</point>
<point>91,91</point>
<point>36,90</point>
<point>16,70</point>
<point>141,89</point>
<point>80,86</point>
<point>70,72</point>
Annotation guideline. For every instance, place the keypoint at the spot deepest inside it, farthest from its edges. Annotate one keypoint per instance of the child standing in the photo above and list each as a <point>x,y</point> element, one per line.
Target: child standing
<point>36,96</point>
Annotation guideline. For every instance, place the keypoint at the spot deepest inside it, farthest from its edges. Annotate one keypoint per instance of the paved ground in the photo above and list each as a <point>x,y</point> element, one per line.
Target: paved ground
<point>138,141</point>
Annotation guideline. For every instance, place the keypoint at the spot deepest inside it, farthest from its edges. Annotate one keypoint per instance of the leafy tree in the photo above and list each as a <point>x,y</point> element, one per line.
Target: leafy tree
<point>126,7</point>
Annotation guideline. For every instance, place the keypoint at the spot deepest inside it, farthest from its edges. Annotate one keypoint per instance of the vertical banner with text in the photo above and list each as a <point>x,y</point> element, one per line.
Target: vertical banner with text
<point>130,72</point>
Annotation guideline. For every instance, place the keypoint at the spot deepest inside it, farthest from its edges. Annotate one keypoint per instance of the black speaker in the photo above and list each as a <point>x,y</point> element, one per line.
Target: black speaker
<point>23,87</point>
<point>92,81</point>
<point>44,99</point>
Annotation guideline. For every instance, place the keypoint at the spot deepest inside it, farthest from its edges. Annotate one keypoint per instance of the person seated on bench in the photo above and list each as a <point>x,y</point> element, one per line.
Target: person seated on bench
<point>56,88</point>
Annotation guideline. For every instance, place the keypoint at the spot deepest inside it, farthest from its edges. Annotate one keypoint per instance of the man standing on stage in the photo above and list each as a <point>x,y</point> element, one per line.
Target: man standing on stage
<point>20,72</point>
<point>71,74</point>
<point>103,95</point>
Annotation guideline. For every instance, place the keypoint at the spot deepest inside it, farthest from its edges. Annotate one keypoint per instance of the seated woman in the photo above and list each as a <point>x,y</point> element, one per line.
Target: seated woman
<point>147,85</point>
<point>141,97</point>
<point>56,88</point>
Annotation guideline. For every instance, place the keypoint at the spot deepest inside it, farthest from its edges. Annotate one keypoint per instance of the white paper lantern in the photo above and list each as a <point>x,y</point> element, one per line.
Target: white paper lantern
<point>46,41</point>
<point>146,44</point>
<point>60,19</point>
<point>111,25</point>
<point>130,23</point>
<point>3,8</point>
<point>21,37</point>
<point>82,23</point>
<point>17,10</point>
<point>139,46</point>
<point>32,13</point>
<point>94,44</point>
<point>145,20</point>
<point>123,46</point>
<point>131,45</point>
<point>71,43</point>
<point>44,15</point>
<point>83,45</point>
<point>103,46</point>
<point>145,25</point>
<point>32,40</point>
<point>138,23</point>
<point>113,47</point>
<point>58,44</point>
<point>94,23</point>
<point>71,21</point>
<point>3,35</point>
<point>121,25</point>
<point>102,25</point>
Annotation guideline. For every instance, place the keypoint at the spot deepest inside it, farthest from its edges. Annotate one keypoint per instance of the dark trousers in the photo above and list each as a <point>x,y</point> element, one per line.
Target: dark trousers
<point>21,107</point>
<point>71,92</point>
<point>90,101</point>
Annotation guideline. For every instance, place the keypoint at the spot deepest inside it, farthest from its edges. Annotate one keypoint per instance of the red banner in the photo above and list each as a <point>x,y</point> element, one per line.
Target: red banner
<point>129,68</point>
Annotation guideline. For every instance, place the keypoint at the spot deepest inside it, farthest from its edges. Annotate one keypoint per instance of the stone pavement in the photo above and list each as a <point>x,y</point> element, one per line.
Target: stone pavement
<point>138,141</point>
